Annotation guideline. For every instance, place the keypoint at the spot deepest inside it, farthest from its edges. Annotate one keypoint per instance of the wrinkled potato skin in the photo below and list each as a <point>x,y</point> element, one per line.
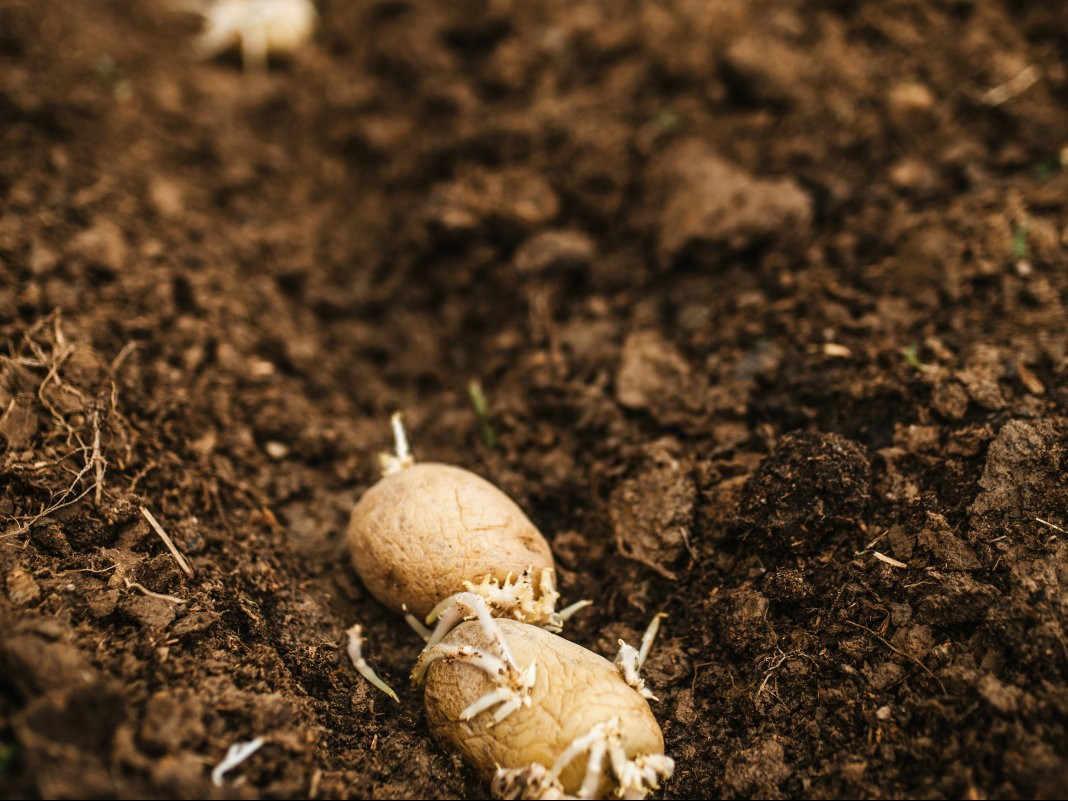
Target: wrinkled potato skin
<point>576,689</point>
<point>418,534</point>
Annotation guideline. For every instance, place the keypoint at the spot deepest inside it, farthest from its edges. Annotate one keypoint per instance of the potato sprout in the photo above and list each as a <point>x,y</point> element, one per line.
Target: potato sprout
<point>355,652</point>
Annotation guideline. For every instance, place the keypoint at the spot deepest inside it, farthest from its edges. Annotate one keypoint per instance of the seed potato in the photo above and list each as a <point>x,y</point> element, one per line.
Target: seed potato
<point>575,690</point>
<point>418,534</point>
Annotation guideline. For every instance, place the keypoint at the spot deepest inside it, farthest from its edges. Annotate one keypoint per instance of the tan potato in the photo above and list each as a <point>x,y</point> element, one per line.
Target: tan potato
<point>573,692</point>
<point>424,530</point>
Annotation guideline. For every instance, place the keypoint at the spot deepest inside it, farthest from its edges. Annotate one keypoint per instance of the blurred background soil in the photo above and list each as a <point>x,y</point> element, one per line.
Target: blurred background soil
<point>767,301</point>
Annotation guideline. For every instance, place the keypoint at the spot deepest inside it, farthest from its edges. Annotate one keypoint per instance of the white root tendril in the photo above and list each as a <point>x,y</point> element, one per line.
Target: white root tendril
<point>634,778</point>
<point>235,755</point>
<point>512,686</point>
<point>355,652</point>
<point>594,759</point>
<point>532,782</point>
<point>567,612</point>
<point>415,623</point>
<point>647,638</point>
<point>629,660</point>
<point>390,463</point>
<point>464,606</point>
<point>476,657</point>
<point>517,598</point>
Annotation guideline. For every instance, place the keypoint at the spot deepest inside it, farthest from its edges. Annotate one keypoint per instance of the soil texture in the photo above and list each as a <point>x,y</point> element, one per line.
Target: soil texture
<point>767,305</point>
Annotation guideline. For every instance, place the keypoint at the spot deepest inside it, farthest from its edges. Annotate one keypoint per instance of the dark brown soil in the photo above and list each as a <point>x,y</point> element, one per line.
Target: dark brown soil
<point>768,303</point>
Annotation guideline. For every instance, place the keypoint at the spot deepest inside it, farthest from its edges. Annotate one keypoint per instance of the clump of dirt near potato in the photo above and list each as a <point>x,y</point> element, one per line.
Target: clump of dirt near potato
<point>767,301</point>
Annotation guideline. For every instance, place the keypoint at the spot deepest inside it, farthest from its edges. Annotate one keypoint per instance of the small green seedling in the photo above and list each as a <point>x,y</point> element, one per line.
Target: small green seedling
<point>1021,247</point>
<point>912,357</point>
<point>7,757</point>
<point>485,425</point>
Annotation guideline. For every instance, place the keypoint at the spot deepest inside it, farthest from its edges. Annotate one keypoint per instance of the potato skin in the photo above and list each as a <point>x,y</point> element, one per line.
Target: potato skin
<point>419,533</point>
<point>576,689</point>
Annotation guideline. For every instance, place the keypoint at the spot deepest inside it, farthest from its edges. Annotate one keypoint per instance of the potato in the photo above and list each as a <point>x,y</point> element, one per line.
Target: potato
<point>424,530</point>
<point>259,27</point>
<point>573,691</point>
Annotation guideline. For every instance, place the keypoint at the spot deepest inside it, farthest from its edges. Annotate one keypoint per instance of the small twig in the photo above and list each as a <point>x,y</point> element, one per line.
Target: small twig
<point>355,652</point>
<point>873,543</point>
<point>163,535</point>
<point>900,653</point>
<point>771,669</point>
<point>127,349</point>
<point>97,460</point>
<point>1016,85</point>
<point>1051,525</point>
<point>94,570</point>
<point>888,560</point>
<point>144,471</point>
<point>136,585</point>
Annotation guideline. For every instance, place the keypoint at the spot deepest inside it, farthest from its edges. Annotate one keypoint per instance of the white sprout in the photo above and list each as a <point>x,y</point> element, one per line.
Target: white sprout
<point>517,598</point>
<point>391,463</point>
<point>513,686</point>
<point>635,778</point>
<point>258,26</point>
<point>534,781</point>
<point>489,664</point>
<point>567,612</point>
<point>629,660</point>
<point>462,606</point>
<point>415,623</point>
<point>235,755</point>
<point>355,652</point>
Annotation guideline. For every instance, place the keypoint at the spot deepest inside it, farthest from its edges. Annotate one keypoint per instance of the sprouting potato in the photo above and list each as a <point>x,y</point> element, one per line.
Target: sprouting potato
<point>543,716</point>
<point>427,531</point>
<point>418,534</point>
<point>540,714</point>
<point>259,27</point>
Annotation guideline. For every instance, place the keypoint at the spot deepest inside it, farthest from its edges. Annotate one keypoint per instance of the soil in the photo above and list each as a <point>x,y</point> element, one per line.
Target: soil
<point>767,304</point>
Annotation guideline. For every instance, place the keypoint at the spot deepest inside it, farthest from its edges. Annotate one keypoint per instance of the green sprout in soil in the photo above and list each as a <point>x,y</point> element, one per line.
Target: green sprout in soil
<point>667,120</point>
<point>1046,169</point>
<point>1020,247</point>
<point>485,425</point>
<point>7,757</point>
<point>107,71</point>
<point>912,357</point>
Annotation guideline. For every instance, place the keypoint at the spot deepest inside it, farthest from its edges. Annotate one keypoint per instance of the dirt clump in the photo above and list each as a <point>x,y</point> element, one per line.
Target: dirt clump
<point>710,204</point>
<point>809,488</point>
